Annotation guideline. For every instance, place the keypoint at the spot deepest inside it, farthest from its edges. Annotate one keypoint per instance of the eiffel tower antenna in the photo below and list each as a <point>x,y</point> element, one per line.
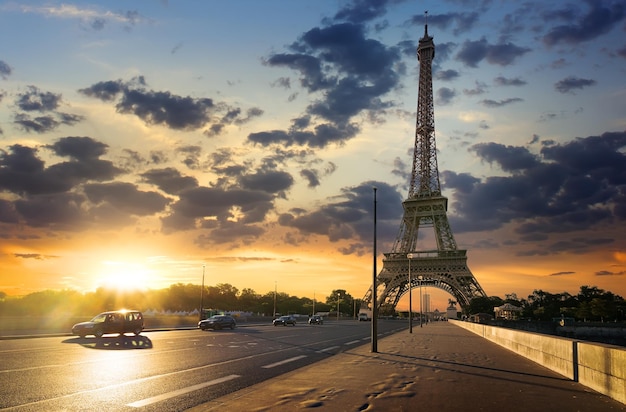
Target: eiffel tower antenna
<point>446,266</point>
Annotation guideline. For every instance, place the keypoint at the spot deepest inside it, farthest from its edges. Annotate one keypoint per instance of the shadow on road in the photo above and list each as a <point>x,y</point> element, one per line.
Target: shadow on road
<point>114,342</point>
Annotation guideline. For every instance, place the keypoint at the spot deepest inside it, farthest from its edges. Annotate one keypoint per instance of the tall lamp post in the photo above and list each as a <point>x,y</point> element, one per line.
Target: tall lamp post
<point>410,256</point>
<point>337,306</point>
<point>374,287</point>
<point>420,279</point>
<point>202,294</point>
<point>275,286</point>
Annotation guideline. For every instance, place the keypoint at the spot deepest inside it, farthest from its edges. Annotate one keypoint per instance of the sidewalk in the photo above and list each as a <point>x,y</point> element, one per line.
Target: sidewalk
<point>439,367</point>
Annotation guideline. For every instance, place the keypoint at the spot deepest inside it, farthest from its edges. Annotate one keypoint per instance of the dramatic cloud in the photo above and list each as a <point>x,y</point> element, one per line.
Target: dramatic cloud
<point>126,197</point>
<point>79,148</point>
<point>494,103</point>
<point>35,100</point>
<point>321,136</point>
<point>196,205</point>
<point>479,89</point>
<point>5,70</point>
<point>503,81</point>
<point>599,19</point>
<point>166,109</point>
<point>311,176</point>
<point>504,54</point>
<point>462,22</point>
<point>58,211</point>
<point>571,83</point>
<point>22,172</point>
<point>567,187</point>
<point>444,96</point>
<point>360,11</point>
<point>169,180</point>
<point>446,75</point>
<point>271,181</point>
<point>351,72</point>
<point>350,216</point>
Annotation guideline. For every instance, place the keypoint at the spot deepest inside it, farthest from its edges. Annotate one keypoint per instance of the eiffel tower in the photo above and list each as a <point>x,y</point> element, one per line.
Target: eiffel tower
<point>446,267</point>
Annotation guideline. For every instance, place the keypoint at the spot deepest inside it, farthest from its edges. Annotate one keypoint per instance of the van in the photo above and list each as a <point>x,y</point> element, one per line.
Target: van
<point>119,321</point>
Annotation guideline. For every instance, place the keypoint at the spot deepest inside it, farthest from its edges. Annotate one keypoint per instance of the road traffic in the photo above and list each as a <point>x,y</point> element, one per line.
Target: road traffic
<point>167,370</point>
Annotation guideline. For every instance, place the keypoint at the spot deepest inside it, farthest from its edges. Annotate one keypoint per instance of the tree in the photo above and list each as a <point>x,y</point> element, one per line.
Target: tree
<point>223,296</point>
<point>600,308</point>
<point>511,298</point>
<point>249,301</point>
<point>342,298</point>
<point>483,304</point>
<point>543,305</point>
<point>587,293</point>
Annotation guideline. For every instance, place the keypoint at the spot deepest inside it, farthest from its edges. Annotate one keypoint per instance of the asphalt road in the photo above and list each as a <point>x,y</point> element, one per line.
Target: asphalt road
<point>164,371</point>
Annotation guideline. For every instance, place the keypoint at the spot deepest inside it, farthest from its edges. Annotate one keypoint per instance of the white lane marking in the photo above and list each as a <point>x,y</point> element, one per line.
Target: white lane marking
<point>271,365</point>
<point>146,379</point>
<point>159,398</point>
<point>351,342</point>
<point>327,349</point>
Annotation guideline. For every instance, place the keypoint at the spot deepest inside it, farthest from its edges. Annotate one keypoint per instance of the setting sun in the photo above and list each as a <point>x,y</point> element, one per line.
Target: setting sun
<point>123,275</point>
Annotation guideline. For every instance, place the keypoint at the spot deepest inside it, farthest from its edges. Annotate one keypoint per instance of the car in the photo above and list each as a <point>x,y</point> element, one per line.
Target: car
<point>118,321</point>
<point>217,322</point>
<point>316,320</point>
<point>284,320</point>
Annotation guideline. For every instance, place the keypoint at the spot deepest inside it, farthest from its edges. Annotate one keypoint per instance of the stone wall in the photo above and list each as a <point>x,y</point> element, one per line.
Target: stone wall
<point>595,365</point>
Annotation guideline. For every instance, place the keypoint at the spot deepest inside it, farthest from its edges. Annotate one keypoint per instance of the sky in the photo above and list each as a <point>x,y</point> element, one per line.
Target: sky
<point>144,144</point>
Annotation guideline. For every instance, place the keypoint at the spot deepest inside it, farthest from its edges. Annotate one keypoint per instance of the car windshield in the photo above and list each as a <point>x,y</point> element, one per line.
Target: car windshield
<point>284,317</point>
<point>99,318</point>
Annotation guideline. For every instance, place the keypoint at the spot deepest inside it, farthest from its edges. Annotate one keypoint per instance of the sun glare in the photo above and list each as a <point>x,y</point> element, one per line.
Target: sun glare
<point>123,276</point>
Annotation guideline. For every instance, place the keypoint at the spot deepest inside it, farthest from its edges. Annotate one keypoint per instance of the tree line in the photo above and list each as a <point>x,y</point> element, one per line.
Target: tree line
<point>590,304</point>
<point>177,298</point>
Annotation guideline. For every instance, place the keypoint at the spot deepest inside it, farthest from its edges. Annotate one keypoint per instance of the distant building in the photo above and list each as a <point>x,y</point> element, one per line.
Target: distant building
<point>480,318</point>
<point>507,311</point>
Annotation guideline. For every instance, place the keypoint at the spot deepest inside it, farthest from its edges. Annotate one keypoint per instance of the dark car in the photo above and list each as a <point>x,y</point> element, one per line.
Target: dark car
<point>217,322</point>
<point>119,321</point>
<point>284,320</point>
<point>316,320</point>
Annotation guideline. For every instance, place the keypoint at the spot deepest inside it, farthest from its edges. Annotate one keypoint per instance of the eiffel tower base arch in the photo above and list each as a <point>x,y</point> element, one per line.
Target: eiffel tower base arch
<point>445,270</point>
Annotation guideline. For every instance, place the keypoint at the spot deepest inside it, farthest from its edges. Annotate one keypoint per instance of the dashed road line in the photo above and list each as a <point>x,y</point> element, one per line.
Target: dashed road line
<point>272,365</point>
<point>162,397</point>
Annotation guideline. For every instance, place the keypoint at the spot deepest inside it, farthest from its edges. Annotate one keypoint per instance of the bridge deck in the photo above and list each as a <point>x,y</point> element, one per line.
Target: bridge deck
<point>439,367</point>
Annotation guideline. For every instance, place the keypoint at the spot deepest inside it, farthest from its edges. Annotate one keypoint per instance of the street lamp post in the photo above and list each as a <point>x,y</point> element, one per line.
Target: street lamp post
<point>275,287</point>
<point>410,256</point>
<point>337,306</point>
<point>420,279</point>
<point>426,305</point>
<point>202,294</point>
<point>374,286</point>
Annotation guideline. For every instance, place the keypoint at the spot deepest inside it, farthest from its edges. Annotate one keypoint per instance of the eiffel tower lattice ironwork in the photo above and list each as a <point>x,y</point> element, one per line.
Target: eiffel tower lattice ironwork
<point>446,267</point>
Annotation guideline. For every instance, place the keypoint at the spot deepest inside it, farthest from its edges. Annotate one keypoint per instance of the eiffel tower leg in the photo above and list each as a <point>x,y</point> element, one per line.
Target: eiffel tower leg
<point>442,270</point>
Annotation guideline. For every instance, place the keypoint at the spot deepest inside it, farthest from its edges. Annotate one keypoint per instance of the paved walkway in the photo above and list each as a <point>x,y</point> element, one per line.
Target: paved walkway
<point>439,367</point>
